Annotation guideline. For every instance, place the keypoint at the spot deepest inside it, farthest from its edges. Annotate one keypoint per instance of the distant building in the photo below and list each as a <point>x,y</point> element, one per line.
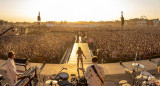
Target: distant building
<point>2,22</point>
<point>155,22</point>
<point>138,22</point>
<point>142,21</point>
<point>133,21</point>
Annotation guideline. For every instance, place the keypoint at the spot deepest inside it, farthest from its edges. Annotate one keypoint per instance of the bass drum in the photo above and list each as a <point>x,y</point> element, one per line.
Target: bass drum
<point>64,76</point>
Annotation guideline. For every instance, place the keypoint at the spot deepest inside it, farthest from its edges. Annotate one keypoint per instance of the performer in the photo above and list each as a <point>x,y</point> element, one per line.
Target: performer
<point>93,78</point>
<point>11,68</point>
<point>80,53</point>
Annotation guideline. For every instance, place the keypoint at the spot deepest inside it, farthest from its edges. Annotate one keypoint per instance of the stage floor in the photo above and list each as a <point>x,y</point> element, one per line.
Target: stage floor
<point>113,71</point>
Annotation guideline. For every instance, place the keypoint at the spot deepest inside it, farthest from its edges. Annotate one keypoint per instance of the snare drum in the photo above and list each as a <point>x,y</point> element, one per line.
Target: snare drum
<point>64,76</point>
<point>48,82</point>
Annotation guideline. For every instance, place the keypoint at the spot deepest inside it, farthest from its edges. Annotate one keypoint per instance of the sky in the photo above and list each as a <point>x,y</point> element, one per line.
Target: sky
<point>77,10</point>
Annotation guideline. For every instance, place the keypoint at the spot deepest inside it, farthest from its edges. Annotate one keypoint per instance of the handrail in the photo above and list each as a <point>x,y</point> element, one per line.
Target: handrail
<point>61,62</point>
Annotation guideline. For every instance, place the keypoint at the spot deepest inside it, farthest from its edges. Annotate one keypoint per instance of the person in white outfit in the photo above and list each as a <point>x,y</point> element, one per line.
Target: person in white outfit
<point>92,77</point>
<point>11,68</point>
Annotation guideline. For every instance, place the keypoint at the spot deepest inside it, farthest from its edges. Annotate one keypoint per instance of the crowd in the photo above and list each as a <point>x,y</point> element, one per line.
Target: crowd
<point>109,44</point>
<point>48,47</point>
<point>125,44</point>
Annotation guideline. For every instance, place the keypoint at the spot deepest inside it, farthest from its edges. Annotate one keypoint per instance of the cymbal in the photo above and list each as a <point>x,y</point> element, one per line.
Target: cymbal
<point>137,65</point>
<point>122,82</point>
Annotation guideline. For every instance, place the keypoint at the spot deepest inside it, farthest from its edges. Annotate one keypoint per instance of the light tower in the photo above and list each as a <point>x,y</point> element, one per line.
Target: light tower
<point>122,20</point>
<point>39,20</point>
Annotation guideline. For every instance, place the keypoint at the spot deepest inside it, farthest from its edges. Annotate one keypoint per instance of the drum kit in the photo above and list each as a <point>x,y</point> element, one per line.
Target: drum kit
<point>142,79</point>
<point>60,79</point>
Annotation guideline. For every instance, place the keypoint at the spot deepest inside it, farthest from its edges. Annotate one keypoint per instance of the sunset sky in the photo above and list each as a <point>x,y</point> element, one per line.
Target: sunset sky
<point>77,10</point>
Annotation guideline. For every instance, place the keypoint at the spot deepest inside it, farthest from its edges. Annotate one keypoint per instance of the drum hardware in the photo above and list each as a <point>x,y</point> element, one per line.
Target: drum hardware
<point>74,80</point>
<point>132,72</point>
<point>127,70</point>
<point>1,79</point>
<point>144,79</point>
<point>147,79</point>
<point>82,81</point>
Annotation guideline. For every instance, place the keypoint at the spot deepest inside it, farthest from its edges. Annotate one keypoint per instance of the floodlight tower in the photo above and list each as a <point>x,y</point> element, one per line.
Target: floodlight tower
<point>122,20</point>
<point>39,20</point>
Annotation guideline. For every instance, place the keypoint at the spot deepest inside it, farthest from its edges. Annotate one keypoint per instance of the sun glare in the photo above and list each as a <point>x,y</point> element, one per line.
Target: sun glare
<point>74,10</point>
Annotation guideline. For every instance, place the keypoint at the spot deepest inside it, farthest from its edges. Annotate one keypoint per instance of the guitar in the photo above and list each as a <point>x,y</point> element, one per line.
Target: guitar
<point>100,77</point>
